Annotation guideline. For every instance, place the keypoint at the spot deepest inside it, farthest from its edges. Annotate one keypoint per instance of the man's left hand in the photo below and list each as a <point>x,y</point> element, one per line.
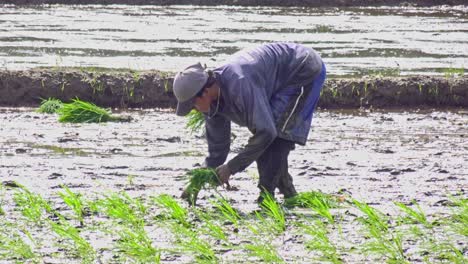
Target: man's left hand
<point>224,173</point>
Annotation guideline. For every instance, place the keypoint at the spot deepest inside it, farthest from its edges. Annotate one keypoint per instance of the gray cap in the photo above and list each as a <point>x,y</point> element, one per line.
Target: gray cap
<point>187,84</point>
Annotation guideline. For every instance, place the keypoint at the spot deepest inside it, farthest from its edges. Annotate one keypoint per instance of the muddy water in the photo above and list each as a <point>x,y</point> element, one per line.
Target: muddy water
<point>377,157</point>
<point>352,40</point>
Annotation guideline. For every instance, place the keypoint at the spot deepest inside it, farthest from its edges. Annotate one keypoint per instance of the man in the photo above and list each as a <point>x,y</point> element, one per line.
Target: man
<point>272,90</point>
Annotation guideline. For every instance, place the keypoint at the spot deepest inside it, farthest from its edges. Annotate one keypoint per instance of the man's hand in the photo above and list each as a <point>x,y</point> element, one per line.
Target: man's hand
<point>224,173</point>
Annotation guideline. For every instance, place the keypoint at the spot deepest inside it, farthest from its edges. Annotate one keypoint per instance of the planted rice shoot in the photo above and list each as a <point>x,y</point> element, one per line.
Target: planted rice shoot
<point>82,248</point>
<point>199,179</point>
<point>84,112</point>
<point>14,246</point>
<point>190,242</point>
<point>383,242</point>
<point>319,241</point>
<point>210,227</point>
<point>172,209</point>
<point>31,205</point>
<point>414,215</point>
<point>304,199</point>
<point>74,201</point>
<point>123,208</point>
<point>137,246</point>
<point>50,106</point>
<point>196,121</point>
<point>264,251</point>
<point>271,208</point>
<point>228,213</point>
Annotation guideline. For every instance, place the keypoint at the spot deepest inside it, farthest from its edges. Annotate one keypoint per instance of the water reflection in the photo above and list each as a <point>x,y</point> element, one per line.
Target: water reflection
<point>352,40</point>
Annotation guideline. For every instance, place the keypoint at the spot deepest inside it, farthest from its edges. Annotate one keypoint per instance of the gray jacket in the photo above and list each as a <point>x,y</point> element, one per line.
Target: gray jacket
<point>268,90</point>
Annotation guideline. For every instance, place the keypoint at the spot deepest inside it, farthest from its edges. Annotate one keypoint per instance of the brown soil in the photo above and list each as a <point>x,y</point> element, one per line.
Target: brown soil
<point>310,3</point>
<point>153,89</point>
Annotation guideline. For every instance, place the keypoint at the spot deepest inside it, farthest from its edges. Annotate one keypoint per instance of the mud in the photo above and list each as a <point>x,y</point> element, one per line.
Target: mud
<point>375,156</point>
<point>307,3</point>
<point>151,89</point>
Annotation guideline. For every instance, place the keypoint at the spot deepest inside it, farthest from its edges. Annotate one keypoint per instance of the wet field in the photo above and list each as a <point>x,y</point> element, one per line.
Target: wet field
<point>353,41</point>
<point>378,157</point>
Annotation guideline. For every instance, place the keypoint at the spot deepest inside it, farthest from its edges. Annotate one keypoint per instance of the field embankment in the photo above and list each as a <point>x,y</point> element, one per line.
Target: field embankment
<point>149,89</point>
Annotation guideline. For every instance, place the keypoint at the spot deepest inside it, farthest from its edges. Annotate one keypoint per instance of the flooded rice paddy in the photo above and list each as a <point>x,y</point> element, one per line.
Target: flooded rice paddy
<point>353,41</point>
<point>377,157</point>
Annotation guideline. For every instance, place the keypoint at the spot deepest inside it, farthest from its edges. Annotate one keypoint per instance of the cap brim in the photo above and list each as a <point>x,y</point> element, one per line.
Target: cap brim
<point>183,108</point>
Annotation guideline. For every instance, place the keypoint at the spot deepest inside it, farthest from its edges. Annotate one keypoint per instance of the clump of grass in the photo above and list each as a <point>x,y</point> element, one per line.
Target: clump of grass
<point>210,227</point>
<point>196,121</point>
<point>199,178</point>
<point>50,106</point>
<point>84,112</point>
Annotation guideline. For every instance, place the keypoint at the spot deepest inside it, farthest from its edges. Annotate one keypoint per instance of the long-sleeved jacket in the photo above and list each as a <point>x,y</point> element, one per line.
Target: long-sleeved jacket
<point>272,90</point>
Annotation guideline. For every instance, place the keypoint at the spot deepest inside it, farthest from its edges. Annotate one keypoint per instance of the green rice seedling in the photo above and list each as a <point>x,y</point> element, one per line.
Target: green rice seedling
<point>447,253</point>
<point>384,243</point>
<point>172,209</point>
<point>196,121</point>
<point>273,210</point>
<point>210,227</point>
<point>50,106</point>
<point>74,201</point>
<point>31,205</point>
<point>459,217</point>
<point>190,242</point>
<point>319,241</point>
<point>123,208</point>
<point>264,251</point>
<point>304,199</point>
<point>374,217</point>
<point>13,246</point>
<point>199,178</point>
<point>414,215</point>
<point>83,112</point>
<point>137,246</point>
<point>228,213</point>
<point>81,247</point>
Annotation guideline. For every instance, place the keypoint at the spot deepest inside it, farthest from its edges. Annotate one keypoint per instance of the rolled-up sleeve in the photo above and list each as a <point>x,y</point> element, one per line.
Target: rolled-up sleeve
<point>257,113</point>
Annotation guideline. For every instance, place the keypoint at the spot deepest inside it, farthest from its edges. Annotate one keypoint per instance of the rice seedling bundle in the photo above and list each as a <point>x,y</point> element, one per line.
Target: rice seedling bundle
<point>196,120</point>
<point>50,106</point>
<point>84,112</point>
<point>199,179</point>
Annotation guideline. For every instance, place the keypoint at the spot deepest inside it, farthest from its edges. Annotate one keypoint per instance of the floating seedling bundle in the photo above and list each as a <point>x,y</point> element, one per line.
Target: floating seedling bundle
<point>199,178</point>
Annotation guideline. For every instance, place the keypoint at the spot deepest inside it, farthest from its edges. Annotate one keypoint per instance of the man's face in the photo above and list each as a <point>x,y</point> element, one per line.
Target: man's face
<point>202,103</point>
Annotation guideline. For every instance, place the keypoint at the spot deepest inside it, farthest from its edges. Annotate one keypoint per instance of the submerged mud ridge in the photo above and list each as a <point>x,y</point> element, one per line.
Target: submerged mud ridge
<point>126,88</point>
<point>308,3</point>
